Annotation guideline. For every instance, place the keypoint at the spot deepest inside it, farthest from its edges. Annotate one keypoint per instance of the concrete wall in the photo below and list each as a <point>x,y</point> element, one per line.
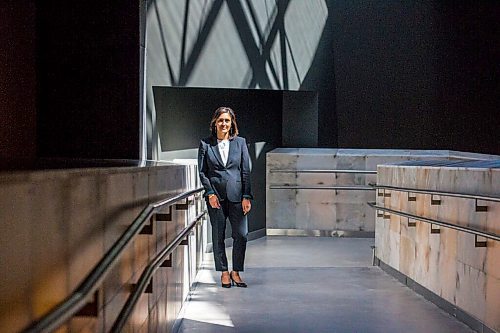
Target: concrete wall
<point>56,225</point>
<point>448,264</point>
<point>330,210</point>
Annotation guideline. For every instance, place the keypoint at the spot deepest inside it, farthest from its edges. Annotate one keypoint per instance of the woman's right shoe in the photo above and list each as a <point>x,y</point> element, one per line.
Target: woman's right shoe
<point>225,285</point>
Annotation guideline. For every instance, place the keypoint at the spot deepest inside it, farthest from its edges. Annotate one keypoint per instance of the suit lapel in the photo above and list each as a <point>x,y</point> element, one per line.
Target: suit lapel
<point>232,147</point>
<point>216,152</point>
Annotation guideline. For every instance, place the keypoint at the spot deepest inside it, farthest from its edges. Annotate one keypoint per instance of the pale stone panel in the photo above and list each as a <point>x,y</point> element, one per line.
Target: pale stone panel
<point>15,309</point>
<point>322,216</point>
<point>350,217</point>
<point>126,194</point>
<point>492,262</point>
<point>492,292</point>
<point>283,215</point>
<point>433,279</point>
<point>471,290</point>
<point>468,254</point>
<point>354,197</point>
<point>49,256</point>
<point>317,161</point>
<point>407,254</point>
<point>166,181</point>
<point>315,196</point>
<point>381,239</point>
<point>422,253</point>
<point>492,216</point>
<point>394,241</point>
<point>83,207</point>
<point>447,263</point>
<point>351,162</point>
<point>71,218</point>
<point>316,179</point>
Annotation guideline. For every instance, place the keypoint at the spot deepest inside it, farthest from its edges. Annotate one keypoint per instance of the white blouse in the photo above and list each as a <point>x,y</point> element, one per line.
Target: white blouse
<point>223,149</point>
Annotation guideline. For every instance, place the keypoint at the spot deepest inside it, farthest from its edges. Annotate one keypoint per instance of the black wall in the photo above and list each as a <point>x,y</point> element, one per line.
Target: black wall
<point>17,85</point>
<point>183,118</point>
<point>419,75</point>
<point>300,119</point>
<point>88,79</point>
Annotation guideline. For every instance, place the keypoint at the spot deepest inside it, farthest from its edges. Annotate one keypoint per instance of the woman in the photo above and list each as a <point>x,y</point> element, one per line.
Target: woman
<point>224,168</point>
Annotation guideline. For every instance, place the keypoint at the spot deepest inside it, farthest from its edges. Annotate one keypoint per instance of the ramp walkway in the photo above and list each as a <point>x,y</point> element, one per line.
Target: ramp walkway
<point>310,284</point>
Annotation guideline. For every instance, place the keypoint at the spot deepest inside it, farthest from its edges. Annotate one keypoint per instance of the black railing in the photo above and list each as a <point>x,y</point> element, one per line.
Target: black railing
<point>369,172</point>
<point>321,187</point>
<point>469,230</point>
<point>78,299</point>
<point>436,192</point>
<point>148,272</point>
<point>313,187</point>
<point>476,197</point>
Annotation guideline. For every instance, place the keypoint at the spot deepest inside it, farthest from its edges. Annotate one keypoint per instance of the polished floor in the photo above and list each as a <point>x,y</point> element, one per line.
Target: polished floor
<point>308,284</point>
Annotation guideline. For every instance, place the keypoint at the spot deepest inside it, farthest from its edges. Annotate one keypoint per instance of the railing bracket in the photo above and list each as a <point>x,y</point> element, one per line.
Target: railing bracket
<point>411,223</point>
<point>480,208</point>
<point>380,213</point>
<point>380,193</point>
<point>435,230</point>
<point>387,194</point>
<point>147,229</point>
<point>183,206</point>
<point>90,309</point>
<point>478,243</point>
<point>411,198</point>
<point>165,216</point>
<point>184,242</point>
<point>167,262</point>
<point>435,202</point>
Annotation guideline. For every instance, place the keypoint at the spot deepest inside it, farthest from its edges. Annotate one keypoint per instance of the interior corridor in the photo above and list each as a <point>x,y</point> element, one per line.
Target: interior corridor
<point>310,284</point>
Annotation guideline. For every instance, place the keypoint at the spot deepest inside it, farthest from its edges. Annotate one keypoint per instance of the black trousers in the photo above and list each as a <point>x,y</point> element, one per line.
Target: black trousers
<point>239,226</point>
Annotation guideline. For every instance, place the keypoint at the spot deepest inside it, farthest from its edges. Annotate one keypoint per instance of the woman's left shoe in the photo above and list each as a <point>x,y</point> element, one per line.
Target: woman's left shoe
<point>235,283</point>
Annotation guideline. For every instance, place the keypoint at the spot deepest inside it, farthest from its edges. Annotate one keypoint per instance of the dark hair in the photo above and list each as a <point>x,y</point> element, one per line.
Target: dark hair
<point>233,131</point>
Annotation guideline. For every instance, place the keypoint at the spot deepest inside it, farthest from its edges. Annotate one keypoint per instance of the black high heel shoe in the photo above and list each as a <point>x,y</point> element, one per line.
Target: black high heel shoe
<point>237,284</point>
<point>226,285</point>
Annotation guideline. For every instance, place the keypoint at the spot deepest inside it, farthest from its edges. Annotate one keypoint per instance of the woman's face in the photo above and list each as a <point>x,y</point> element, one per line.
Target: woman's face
<point>223,124</point>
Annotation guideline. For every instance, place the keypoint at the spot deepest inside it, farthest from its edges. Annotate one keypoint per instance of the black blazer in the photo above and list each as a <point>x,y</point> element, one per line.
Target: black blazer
<point>230,181</point>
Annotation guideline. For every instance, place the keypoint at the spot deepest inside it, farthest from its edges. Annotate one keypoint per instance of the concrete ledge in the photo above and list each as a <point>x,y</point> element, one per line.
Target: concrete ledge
<point>320,233</point>
<point>450,308</point>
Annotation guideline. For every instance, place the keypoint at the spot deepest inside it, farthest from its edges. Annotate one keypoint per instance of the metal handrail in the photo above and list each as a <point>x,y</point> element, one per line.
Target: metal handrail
<point>435,192</point>
<point>469,230</point>
<point>337,188</point>
<point>146,275</point>
<point>74,302</point>
<point>322,171</point>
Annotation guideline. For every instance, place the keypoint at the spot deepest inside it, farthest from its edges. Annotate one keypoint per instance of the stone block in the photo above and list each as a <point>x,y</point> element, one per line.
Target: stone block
<point>15,256</point>
<point>492,291</point>
<point>471,290</point>
<point>350,217</point>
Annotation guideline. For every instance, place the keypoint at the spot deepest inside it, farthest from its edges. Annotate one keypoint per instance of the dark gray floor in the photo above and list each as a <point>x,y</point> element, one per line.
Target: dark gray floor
<point>308,284</point>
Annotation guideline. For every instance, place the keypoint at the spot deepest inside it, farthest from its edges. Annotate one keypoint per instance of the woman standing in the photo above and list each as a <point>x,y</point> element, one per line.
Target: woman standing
<point>224,168</point>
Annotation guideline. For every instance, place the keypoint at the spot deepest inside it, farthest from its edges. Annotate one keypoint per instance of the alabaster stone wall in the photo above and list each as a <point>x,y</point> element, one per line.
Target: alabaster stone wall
<point>329,210</point>
<point>446,263</point>
<point>56,225</point>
